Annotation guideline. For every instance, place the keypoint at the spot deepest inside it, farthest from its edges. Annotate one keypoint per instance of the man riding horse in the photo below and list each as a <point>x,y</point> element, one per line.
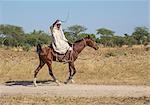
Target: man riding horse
<point>59,42</point>
<point>60,47</point>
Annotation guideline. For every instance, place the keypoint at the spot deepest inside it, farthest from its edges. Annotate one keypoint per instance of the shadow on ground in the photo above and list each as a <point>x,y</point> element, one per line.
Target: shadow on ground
<point>28,83</point>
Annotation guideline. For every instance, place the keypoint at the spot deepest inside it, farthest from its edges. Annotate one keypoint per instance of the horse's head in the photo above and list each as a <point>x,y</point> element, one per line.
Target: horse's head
<point>90,42</point>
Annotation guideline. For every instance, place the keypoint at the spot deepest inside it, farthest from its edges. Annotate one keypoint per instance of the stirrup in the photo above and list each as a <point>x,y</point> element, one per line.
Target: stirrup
<point>66,61</point>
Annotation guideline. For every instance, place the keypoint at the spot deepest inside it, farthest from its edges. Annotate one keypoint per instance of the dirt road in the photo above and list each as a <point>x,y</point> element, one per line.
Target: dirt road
<point>76,90</point>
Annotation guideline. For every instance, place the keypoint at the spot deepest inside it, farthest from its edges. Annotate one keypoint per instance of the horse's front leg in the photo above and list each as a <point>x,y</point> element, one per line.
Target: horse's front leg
<point>74,72</point>
<point>71,68</point>
<point>70,73</point>
<point>49,64</point>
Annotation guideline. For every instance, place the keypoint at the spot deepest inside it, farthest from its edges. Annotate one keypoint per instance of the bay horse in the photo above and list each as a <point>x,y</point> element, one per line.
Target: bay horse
<point>46,56</point>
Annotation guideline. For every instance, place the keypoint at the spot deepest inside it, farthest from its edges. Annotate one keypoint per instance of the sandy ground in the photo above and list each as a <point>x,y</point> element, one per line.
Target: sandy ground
<point>75,90</point>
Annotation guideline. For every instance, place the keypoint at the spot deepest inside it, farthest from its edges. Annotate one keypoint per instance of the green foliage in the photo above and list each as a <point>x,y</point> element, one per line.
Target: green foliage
<point>11,30</point>
<point>129,40</point>
<point>2,41</point>
<point>105,32</point>
<point>106,41</point>
<point>106,36</point>
<point>37,37</point>
<point>141,35</point>
<point>10,42</point>
<point>26,47</point>
<point>98,40</point>
<point>82,35</point>
<point>76,29</point>
<point>72,39</point>
<point>31,40</point>
<point>118,41</point>
<point>74,33</point>
<point>14,36</point>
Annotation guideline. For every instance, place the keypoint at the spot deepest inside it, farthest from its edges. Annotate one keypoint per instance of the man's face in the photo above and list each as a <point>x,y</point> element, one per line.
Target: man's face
<point>58,26</point>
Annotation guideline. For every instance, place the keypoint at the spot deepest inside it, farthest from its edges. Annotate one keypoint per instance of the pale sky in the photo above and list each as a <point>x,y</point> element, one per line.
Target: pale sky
<point>121,16</point>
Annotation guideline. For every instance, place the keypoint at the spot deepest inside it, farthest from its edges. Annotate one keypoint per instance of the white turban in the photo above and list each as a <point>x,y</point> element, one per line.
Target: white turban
<point>59,22</point>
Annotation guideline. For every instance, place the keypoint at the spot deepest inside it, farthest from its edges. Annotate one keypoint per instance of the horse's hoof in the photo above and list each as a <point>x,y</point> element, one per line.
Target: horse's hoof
<point>57,82</point>
<point>66,82</point>
<point>72,81</point>
<point>34,82</point>
<point>35,85</point>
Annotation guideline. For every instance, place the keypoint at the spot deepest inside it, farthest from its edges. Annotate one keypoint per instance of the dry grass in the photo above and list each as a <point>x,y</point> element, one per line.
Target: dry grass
<point>105,66</point>
<point>38,100</point>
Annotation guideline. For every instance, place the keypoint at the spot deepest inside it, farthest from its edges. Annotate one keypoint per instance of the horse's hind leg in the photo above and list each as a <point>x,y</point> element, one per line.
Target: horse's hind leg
<point>37,70</point>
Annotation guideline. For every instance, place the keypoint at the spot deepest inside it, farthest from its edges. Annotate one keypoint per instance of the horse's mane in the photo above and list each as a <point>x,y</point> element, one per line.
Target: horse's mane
<point>78,40</point>
<point>82,39</point>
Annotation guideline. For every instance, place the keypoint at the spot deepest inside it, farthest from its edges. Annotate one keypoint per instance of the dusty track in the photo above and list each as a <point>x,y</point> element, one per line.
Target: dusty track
<point>76,90</point>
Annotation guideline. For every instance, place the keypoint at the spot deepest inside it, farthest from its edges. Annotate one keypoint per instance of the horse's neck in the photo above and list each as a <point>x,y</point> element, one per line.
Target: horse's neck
<point>78,47</point>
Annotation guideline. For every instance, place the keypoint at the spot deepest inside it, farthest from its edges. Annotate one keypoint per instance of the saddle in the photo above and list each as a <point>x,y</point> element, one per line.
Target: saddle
<point>67,57</point>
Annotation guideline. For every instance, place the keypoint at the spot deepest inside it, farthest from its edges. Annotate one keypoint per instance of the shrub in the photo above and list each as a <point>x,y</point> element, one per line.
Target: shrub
<point>26,47</point>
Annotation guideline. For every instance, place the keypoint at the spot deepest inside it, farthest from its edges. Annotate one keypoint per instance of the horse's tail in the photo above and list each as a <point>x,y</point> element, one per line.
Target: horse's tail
<point>39,49</point>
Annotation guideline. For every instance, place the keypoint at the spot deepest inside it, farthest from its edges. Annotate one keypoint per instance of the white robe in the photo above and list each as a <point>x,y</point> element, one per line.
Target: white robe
<point>59,41</point>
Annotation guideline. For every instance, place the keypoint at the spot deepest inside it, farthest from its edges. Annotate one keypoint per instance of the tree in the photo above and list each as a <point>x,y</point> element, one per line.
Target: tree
<point>70,36</point>
<point>105,32</point>
<point>129,40</point>
<point>15,33</point>
<point>141,35</point>
<point>76,29</point>
<point>118,41</point>
<point>11,30</point>
<point>106,36</point>
<point>36,37</point>
<point>82,35</point>
<point>10,42</point>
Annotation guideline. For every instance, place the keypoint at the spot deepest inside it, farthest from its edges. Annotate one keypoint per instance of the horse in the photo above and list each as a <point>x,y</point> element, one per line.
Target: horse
<point>47,56</point>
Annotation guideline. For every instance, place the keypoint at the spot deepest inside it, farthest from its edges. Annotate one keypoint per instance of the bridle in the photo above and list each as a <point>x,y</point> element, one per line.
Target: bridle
<point>84,42</point>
